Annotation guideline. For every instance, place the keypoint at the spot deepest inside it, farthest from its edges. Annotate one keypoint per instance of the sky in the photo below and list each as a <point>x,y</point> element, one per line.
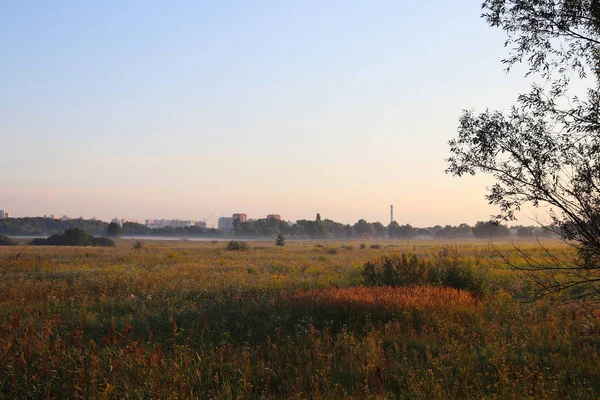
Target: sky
<point>183,109</point>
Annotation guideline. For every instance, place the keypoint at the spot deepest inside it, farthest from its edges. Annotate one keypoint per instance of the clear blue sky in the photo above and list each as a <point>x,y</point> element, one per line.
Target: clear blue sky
<point>181,109</point>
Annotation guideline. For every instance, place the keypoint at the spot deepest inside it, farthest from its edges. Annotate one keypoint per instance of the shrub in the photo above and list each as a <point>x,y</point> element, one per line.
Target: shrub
<point>6,241</point>
<point>103,242</point>
<point>280,240</point>
<point>138,245</point>
<point>375,246</point>
<point>332,250</point>
<point>396,270</point>
<point>234,245</point>
<point>363,246</point>
<point>73,237</point>
<point>409,270</point>
<point>451,271</point>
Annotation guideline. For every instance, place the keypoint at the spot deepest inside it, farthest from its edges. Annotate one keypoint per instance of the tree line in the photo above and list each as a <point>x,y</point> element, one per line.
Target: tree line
<point>267,228</point>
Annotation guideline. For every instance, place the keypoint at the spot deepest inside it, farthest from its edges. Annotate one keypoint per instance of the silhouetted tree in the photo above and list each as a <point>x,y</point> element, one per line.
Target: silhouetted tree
<point>113,229</point>
<point>525,232</point>
<point>487,230</point>
<point>380,230</point>
<point>546,150</point>
<point>363,227</point>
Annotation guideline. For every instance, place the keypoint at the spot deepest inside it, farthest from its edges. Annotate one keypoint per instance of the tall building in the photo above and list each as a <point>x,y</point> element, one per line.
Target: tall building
<point>274,216</point>
<point>240,217</point>
<point>225,224</point>
<point>2,214</point>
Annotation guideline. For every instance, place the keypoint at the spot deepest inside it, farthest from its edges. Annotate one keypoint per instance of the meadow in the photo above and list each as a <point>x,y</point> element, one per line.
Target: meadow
<point>193,320</point>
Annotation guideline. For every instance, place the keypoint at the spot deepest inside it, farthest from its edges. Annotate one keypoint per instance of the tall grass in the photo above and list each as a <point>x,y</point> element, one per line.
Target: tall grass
<point>192,320</point>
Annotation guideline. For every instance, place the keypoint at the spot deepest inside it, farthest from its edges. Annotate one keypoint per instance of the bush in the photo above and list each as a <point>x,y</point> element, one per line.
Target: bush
<point>451,271</point>
<point>103,242</point>
<point>138,245</point>
<point>363,246</point>
<point>280,240</point>
<point>73,237</point>
<point>396,270</point>
<point>446,270</point>
<point>234,245</point>
<point>6,241</point>
<point>332,250</point>
<point>375,246</point>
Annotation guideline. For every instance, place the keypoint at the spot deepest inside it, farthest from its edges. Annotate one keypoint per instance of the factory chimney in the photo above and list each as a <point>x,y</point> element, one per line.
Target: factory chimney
<point>391,213</point>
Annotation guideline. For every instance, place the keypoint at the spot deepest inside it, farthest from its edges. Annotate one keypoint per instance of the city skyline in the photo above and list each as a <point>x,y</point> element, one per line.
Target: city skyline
<point>227,220</point>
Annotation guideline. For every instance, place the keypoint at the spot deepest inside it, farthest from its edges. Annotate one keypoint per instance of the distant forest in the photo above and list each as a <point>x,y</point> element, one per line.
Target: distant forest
<point>269,228</point>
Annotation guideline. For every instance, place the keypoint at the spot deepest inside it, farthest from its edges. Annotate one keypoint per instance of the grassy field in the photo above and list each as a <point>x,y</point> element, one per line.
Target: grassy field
<point>193,320</point>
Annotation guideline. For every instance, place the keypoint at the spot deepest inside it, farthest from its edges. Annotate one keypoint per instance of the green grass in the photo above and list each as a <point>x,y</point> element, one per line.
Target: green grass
<point>190,319</point>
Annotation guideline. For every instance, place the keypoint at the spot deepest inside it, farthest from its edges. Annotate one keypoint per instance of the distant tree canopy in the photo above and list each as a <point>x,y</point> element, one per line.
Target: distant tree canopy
<point>261,228</point>
<point>401,232</point>
<point>113,229</point>
<point>362,227</point>
<point>525,232</point>
<point>486,230</point>
<point>73,237</point>
<point>41,226</point>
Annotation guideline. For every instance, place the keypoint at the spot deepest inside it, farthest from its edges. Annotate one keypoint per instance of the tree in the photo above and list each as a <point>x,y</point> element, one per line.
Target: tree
<point>464,230</point>
<point>447,232</point>
<point>380,230</point>
<point>487,230</point>
<point>349,231</point>
<point>113,229</point>
<point>280,240</point>
<point>362,227</point>
<point>525,232</point>
<point>318,217</point>
<point>545,151</point>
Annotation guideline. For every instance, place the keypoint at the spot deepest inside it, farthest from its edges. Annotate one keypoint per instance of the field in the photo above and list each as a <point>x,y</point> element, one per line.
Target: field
<point>193,320</point>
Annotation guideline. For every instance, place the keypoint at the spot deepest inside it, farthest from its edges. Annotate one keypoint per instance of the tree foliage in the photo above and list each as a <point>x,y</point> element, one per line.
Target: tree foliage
<point>545,151</point>
<point>113,229</point>
<point>487,230</point>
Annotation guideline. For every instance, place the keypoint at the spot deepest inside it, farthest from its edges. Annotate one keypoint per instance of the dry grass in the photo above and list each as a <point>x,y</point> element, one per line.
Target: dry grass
<point>192,320</point>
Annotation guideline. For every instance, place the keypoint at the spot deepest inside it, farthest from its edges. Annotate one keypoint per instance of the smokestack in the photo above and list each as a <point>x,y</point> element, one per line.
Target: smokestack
<point>391,213</point>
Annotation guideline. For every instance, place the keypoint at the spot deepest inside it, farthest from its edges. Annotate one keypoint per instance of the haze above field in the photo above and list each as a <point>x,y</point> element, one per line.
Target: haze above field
<point>183,109</point>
